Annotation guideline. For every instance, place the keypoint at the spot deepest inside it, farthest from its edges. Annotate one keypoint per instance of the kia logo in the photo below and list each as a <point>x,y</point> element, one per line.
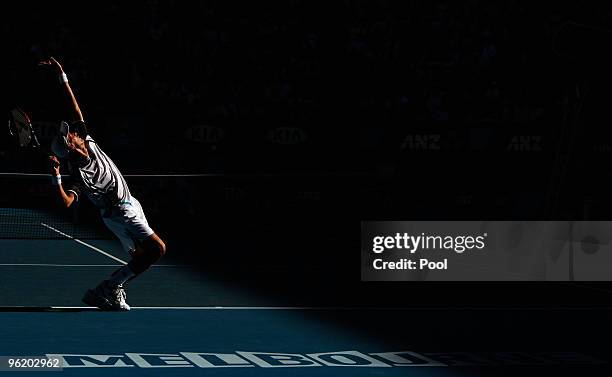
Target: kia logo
<point>205,134</point>
<point>287,135</point>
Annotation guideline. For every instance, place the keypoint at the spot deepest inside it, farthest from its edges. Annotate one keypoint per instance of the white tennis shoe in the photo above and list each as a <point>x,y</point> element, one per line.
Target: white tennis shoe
<point>107,297</point>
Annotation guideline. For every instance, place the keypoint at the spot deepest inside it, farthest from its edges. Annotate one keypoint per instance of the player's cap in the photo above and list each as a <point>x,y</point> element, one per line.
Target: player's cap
<point>59,145</point>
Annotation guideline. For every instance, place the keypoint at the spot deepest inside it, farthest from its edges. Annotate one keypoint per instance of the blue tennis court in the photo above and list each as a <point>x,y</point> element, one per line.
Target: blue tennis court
<point>185,323</point>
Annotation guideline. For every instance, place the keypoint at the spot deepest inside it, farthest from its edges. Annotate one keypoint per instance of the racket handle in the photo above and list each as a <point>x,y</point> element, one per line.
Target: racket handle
<point>35,142</point>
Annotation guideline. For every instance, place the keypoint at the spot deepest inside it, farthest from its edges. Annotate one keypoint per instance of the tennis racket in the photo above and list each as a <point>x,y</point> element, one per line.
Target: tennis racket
<point>22,133</point>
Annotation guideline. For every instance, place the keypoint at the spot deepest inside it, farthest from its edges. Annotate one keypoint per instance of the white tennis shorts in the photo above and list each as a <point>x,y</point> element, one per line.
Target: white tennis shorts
<point>128,222</point>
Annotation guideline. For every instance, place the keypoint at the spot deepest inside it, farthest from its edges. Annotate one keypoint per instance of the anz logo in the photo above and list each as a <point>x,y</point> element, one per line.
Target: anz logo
<point>531,143</point>
<point>205,134</point>
<point>287,135</point>
<point>421,142</point>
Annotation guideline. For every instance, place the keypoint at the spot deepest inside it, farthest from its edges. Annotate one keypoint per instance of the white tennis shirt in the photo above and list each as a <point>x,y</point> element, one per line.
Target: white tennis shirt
<point>101,181</point>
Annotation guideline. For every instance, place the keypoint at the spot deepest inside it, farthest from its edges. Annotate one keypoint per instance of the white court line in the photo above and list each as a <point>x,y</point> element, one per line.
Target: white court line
<point>79,265</point>
<point>346,308</point>
<point>85,244</point>
<point>198,307</point>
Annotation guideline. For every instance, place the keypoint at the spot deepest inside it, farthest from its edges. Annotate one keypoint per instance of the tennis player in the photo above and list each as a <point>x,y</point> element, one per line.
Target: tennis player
<point>98,178</point>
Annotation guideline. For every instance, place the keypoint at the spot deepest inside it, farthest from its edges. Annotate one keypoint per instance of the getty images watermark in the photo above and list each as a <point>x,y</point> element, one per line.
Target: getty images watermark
<point>486,250</point>
<point>395,250</point>
<point>424,242</point>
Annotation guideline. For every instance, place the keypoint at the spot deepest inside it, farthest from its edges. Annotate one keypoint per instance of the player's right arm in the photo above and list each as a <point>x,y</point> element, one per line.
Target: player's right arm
<point>64,79</point>
<point>67,197</point>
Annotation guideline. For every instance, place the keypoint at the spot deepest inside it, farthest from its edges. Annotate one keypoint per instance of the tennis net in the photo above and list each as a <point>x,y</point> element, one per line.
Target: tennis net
<point>30,209</point>
<point>181,203</point>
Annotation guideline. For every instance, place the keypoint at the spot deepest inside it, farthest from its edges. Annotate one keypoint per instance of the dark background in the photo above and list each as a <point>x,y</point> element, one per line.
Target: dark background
<point>321,114</point>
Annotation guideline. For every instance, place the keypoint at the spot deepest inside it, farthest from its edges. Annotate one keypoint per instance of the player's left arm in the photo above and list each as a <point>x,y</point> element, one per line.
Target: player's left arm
<point>69,196</point>
<point>64,80</point>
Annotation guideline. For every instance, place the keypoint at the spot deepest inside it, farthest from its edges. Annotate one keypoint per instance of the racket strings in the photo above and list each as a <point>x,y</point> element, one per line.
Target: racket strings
<point>20,127</point>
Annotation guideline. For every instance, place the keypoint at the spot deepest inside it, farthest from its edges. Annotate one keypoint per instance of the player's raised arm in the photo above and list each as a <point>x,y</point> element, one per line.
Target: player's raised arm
<point>64,79</point>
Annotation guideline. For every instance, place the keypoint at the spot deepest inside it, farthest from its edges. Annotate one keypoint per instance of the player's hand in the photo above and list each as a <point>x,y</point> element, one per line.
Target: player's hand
<point>55,165</point>
<point>51,62</point>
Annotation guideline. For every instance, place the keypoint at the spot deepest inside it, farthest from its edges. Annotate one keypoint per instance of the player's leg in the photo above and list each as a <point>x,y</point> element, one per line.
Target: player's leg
<point>142,243</point>
<point>110,295</point>
<point>118,226</point>
<point>144,255</point>
<point>130,226</point>
<point>147,253</point>
<point>149,247</point>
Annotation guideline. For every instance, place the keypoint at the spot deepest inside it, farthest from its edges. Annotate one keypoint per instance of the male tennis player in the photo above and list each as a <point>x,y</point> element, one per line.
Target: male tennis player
<point>100,180</point>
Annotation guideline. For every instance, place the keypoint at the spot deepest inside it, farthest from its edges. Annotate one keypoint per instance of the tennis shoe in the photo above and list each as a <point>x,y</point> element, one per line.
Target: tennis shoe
<point>107,297</point>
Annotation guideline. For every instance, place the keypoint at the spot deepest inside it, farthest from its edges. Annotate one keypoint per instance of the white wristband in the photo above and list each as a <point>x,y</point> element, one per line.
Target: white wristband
<point>56,180</point>
<point>63,78</point>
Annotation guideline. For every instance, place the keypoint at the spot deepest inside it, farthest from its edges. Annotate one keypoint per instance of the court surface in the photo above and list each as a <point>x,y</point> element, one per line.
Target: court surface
<point>184,323</point>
